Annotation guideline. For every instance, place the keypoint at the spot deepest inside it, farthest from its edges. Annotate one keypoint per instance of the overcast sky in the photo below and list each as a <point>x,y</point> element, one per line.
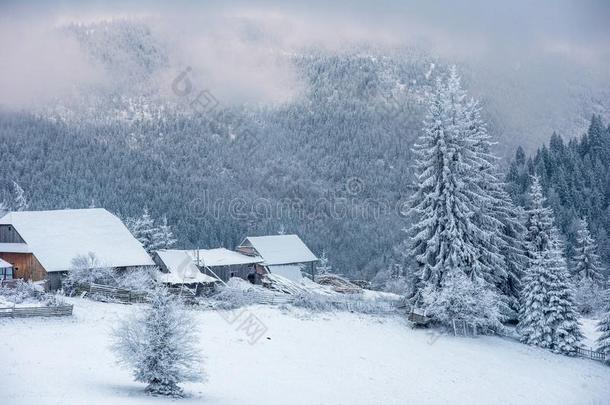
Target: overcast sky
<point>542,43</point>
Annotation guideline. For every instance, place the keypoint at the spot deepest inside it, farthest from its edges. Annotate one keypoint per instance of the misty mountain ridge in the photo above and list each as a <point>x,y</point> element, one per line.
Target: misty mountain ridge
<point>342,137</point>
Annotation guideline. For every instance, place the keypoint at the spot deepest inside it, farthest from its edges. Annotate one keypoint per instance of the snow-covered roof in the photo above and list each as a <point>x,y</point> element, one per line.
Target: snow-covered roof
<point>14,248</point>
<point>56,237</point>
<point>181,268</point>
<point>280,249</point>
<point>222,257</point>
<point>290,271</point>
<point>4,264</point>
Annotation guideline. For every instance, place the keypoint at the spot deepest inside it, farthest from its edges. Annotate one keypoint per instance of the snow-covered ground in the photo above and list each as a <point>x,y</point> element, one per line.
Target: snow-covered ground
<point>301,359</point>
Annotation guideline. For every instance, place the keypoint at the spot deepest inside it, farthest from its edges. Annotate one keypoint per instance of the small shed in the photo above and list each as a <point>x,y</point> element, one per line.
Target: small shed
<point>285,255</point>
<point>6,270</point>
<point>176,268</point>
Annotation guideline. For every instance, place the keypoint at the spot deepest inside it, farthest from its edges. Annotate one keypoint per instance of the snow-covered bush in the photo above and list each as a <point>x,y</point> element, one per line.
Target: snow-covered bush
<point>87,269</point>
<point>20,292</point>
<point>461,299</point>
<point>227,298</point>
<point>160,345</point>
<point>136,279</point>
<point>392,279</point>
<point>51,300</point>
<point>28,293</point>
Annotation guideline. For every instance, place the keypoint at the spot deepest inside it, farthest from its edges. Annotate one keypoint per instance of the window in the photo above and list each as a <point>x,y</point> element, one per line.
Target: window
<point>7,273</point>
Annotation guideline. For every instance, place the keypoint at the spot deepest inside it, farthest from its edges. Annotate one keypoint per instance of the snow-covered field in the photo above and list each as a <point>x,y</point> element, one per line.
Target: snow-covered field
<point>301,359</point>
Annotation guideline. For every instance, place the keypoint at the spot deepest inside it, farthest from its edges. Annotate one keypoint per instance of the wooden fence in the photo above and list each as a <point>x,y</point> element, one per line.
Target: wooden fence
<point>590,354</point>
<point>27,312</point>
<point>118,294</point>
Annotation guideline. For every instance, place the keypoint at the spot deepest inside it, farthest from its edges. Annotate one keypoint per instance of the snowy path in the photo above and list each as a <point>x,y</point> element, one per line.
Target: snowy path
<point>324,359</point>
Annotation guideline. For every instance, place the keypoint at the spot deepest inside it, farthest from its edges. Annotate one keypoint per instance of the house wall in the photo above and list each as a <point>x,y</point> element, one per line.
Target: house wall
<point>8,234</point>
<point>54,280</point>
<point>26,266</point>
<point>226,272</point>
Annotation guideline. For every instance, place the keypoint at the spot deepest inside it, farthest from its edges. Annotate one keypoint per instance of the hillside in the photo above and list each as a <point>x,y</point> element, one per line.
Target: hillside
<point>303,358</point>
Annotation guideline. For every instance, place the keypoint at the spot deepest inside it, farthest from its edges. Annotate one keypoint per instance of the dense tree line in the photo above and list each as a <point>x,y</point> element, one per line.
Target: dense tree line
<point>575,178</point>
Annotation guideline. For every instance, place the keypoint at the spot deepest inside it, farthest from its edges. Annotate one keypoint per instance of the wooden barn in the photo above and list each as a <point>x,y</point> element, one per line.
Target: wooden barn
<point>285,255</point>
<point>42,244</point>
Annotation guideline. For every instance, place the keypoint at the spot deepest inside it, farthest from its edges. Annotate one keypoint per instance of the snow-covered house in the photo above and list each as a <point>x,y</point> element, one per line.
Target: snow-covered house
<point>219,263</point>
<point>285,255</point>
<point>42,244</point>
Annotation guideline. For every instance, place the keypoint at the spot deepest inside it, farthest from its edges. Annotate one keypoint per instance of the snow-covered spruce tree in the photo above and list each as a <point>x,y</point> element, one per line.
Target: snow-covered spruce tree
<point>509,237</point>
<point>20,202</point>
<point>514,249</point>
<point>603,326</point>
<point>587,263</point>
<point>160,345</point>
<point>142,228</point>
<point>548,316</point>
<point>453,228</point>
<point>587,272</point>
<point>323,267</point>
<point>539,219</point>
<point>162,236</point>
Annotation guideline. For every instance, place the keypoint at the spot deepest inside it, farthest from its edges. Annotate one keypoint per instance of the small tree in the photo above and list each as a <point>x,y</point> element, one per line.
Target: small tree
<point>603,326</point>
<point>159,345</point>
<point>548,316</point>
<point>20,201</point>
<point>587,263</point>
<point>162,236</point>
<point>142,228</point>
<point>323,266</point>
<point>589,297</point>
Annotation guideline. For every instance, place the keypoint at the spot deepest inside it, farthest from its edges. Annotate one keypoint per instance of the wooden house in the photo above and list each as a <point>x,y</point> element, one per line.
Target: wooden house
<point>285,255</point>
<point>42,244</point>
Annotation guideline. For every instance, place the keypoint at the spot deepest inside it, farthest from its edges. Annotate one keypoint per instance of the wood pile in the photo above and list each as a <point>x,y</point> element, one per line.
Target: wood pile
<point>283,285</point>
<point>338,284</point>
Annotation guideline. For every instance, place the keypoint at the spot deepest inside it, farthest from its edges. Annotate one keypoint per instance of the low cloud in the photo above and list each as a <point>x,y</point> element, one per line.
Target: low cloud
<point>238,50</point>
